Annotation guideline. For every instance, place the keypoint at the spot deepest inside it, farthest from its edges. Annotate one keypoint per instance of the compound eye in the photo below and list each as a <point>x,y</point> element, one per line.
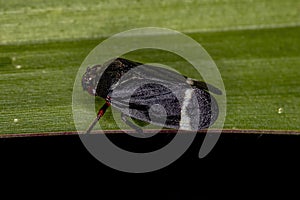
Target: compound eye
<point>85,83</point>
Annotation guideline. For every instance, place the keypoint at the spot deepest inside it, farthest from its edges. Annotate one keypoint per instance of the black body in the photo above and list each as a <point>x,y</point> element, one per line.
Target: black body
<point>137,90</point>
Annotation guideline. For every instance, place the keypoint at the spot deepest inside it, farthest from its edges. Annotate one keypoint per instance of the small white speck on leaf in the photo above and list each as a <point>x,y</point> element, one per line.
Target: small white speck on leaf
<point>18,66</point>
<point>16,120</point>
<point>280,110</point>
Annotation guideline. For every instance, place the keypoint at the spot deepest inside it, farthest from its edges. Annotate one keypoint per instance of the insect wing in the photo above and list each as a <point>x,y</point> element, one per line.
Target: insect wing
<point>151,102</point>
<point>164,98</point>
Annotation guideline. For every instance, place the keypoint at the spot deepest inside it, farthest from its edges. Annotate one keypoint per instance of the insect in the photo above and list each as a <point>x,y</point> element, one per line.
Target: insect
<point>151,94</point>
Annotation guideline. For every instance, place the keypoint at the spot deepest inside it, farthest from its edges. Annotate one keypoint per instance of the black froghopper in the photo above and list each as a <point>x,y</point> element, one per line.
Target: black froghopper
<point>152,94</point>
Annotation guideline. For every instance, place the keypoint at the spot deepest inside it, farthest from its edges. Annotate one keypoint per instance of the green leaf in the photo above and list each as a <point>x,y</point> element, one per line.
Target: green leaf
<point>255,45</point>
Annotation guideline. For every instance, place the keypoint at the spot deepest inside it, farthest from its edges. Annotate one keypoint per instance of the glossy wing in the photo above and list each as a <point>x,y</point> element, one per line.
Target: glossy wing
<point>160,97</point>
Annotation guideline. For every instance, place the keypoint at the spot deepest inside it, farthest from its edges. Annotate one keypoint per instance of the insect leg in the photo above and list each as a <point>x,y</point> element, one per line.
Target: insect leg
<point>129,123</point>
<point>99,115</point>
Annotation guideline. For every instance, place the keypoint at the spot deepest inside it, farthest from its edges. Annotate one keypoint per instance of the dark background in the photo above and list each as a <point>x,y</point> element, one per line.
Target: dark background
<point>240,165</point>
